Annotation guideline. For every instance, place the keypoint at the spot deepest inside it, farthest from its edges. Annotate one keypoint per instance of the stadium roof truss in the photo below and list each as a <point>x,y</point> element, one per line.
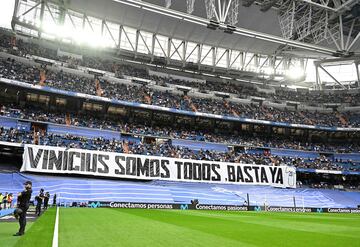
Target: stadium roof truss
<point>321,22</point>
<point>313,25</point>
<point>304,26</point>
<point>322,65</point>
<point>48,20</point>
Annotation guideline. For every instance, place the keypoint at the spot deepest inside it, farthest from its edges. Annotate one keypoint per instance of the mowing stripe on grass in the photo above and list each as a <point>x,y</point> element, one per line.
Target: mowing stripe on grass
<point>7,229</point>
<point>264,229</point>
<point>55,242</point>
<point>40,233</point>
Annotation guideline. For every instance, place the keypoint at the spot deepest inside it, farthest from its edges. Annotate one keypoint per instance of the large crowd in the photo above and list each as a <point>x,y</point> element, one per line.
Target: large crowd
<point>351,98</point>
<point>9,68</point>
<point>167,149</point>
<point>172,132</point>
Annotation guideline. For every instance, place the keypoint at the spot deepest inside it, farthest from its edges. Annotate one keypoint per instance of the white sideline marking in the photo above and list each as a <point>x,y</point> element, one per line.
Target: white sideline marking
<point>55,242</point>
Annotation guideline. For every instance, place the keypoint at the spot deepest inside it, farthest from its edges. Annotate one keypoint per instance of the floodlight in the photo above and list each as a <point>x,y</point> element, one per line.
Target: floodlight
<point>295,73</point>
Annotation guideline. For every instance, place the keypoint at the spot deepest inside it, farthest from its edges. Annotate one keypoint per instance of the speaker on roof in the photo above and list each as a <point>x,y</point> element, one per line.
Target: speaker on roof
<point>213,25</point>
<point>230,29</point>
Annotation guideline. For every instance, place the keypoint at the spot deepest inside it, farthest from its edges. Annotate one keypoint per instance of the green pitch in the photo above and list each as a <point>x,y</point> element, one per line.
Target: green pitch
<point>135,227</point>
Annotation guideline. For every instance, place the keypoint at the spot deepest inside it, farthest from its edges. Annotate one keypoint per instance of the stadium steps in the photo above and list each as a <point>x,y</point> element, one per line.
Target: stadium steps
<point>306,120</point>
<point>342,119</point>
<point>147,99</point>
<point>125,147</point>
<point>231,109</point>
<point>190,103</point>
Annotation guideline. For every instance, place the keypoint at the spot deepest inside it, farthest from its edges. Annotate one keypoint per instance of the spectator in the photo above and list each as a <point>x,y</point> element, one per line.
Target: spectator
<point>54,200</point>
<point>139,93</point>
<point>39,200</point>
<point>46,200</point>
<point>1,200</point>
<point>5,200</point>
<point>10,200</point>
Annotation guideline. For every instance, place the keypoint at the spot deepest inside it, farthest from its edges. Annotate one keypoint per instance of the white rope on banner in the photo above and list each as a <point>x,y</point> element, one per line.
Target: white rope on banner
<point>55,242</point>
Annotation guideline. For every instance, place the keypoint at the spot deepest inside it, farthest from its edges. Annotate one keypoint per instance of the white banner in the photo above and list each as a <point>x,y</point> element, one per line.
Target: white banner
<point>46,159</point>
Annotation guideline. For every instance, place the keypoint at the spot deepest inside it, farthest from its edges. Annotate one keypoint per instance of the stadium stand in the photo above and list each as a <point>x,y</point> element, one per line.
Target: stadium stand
<point>133,85</point>
<point>180,123</point>
<point>12,115</point>
<point>26,49</point>
<point>58,78</point>
<point>178,149</point>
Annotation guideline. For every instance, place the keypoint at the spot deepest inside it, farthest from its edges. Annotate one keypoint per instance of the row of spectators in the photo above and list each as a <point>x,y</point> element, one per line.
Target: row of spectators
<point>166,149</point>
<point>352,98</point>
<point>23,49</point>
<point>6,200</point>
<point>135,93</point>
<point>127,127</point>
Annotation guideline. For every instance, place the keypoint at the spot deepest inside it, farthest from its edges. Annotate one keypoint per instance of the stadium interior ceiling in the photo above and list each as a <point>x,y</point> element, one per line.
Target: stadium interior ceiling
<point>267,41</point>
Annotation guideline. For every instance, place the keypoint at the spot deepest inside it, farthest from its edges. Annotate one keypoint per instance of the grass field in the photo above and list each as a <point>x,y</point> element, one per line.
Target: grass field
<point>135,227</point>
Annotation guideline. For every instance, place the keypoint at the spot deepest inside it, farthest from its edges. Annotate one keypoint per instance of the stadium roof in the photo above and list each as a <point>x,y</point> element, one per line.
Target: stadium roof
<point>250,18</point>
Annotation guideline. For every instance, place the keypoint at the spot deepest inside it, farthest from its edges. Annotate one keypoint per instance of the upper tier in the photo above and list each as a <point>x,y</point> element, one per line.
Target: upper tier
<point>126,91</point>
<point>105,62</point>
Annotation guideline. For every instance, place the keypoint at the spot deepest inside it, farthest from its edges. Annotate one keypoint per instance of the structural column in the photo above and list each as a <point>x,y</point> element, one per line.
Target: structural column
<point>42,10</point>
<point>357,73</point>
<point>318,81</point>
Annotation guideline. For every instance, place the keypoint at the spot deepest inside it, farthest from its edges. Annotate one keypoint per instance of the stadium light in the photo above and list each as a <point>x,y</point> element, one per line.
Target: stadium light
<point>50,28</point>
<point>90,39</point>
<point>295,73</point>
<point>268,71</point>
<point>81,37</point>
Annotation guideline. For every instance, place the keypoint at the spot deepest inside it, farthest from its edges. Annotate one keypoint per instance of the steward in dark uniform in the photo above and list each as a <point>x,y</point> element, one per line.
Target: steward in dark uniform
<point>39,200</point>
<point>46,200</point>
<point>23,206</point>
<point>54,200</point>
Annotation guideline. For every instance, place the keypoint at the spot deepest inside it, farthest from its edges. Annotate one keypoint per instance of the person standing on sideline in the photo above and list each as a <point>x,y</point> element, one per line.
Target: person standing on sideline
<point>39,199</point>
<point>23,205</point>
<point>46,200</point>
<point>1,199</point>
<point>54,200</point>
<point>4,201</point>
<point>10,200</point>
